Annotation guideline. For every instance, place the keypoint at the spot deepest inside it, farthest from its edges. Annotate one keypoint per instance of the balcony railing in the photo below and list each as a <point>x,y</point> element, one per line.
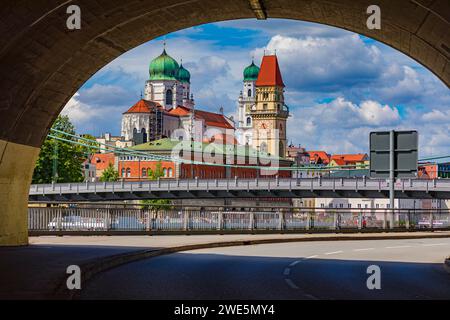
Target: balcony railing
<point>70,218</point>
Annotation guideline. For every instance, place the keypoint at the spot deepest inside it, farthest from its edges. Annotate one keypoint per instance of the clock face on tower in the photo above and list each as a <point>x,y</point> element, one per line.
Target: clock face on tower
<point>264,125</point>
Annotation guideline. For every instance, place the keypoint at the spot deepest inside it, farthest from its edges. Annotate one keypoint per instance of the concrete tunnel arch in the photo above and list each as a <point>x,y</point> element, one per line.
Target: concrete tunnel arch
<point>43,63</point>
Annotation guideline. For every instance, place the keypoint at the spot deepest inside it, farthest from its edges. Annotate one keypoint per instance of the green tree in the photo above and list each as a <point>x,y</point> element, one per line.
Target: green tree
<point>60,161</point>
<point>156,204</point>
<point>94,146</point>
<point>110,174</point>
<point>157,173</point>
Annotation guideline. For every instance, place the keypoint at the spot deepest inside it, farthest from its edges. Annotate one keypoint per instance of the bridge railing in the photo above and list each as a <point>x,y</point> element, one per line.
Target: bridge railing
<point>237,184</point>
<point>69,219</point>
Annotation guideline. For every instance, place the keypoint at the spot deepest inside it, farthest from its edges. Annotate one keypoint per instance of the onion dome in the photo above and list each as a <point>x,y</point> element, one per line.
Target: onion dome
<point>251,72</point>
<point>163,67</point>
<point>183,75</point>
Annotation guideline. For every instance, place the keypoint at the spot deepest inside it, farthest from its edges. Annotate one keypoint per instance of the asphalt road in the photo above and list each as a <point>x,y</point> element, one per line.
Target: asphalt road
<point>410,269</point>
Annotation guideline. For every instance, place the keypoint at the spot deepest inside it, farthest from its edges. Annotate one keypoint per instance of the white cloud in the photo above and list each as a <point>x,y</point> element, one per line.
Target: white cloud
<point>369,85</point>
<point>437,116</point>
<point>93,119</point>
<point>315,64</point>
<point>340,125</point>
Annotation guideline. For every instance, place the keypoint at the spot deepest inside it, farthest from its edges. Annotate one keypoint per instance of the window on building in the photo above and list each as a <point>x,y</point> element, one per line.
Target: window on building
<point>366,206</point>
<point>128,172</point>
<point>123,172</point>
<point>170,173</point>
<point>169,97</point>
<point>359,205</point>
<point>322,205</point>
<point>144,135</point>
<point>165,172</point>
<point>264,106</point>
<point>349,205</point>
<point>377,205</point>
<point>263,147</point>
<point>249,93</point>
<point>249,121</point>
<point>144,172</point>
<point>341,205</point>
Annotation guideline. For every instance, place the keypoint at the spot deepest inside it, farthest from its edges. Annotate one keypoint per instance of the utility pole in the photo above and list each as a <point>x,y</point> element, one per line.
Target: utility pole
<point>391,177</point>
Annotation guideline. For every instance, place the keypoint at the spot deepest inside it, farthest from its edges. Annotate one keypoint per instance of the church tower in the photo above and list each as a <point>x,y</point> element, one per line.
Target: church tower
<point>270,114</point>
<point>246,102</point>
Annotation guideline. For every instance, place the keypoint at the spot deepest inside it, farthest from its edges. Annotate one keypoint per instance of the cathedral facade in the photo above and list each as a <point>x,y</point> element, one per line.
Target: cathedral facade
<point>168,108</point>
<point>168,105</point>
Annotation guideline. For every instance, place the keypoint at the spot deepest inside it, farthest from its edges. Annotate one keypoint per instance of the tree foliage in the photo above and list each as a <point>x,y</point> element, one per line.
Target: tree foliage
<point>110,174</point>
<point>60,157</point>
<point>156,204</point>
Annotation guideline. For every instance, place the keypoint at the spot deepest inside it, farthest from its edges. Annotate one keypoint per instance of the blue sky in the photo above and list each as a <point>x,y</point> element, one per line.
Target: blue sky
<point>339,85</point>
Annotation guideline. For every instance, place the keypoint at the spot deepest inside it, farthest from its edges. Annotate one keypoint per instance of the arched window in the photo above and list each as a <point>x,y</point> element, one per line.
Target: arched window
<point>128,172</point>
<point>123,172</point>
<point>249,121</point>
<point>169,97</point>
<point>165,172</point>
<point>170,172</point>
<point>281,150</point>
<point>144,172</point>
<point>144,135</point>
<point>249,93</point>
<point>263,147</point>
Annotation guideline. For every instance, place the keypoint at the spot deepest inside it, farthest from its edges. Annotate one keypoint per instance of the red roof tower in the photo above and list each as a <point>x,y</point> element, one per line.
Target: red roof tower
<point>269,74</point>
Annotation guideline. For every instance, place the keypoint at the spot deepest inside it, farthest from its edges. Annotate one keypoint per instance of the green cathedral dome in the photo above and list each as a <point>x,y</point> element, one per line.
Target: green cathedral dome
<point>183,75</point>
<point>251,72</point>
<point>163,67</point>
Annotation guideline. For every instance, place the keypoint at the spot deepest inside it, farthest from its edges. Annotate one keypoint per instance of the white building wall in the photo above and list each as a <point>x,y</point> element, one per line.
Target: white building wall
<point>133,121</point>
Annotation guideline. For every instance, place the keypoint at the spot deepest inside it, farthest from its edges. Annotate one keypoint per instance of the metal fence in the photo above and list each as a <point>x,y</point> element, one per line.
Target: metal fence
<point>94,219</point>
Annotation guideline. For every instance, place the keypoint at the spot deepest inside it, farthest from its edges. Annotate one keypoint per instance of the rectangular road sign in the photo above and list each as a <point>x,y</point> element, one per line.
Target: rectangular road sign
<point>405,150</point>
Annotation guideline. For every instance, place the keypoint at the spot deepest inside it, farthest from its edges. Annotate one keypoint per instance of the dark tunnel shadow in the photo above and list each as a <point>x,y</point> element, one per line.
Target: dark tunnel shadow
<point>194,276</point>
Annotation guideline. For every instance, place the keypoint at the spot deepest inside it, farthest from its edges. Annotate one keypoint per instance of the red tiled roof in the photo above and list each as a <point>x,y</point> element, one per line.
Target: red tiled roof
<point>180,111</point>
<point>221,138</point>
<point>269,74</point>
<point>102,160</point>
<point>211,118</point>
<point>358,157</point>
<point>144,106</point>
<point>316,155</point>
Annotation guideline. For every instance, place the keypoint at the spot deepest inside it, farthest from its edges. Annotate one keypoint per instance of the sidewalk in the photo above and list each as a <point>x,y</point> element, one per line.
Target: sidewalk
<point>34,272</point>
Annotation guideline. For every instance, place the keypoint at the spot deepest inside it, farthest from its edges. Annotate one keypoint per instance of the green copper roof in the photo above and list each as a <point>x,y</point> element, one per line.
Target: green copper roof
<point>183,75</point>
<point>163,67</point>
<point>167,145</point>
<point>251,72</point>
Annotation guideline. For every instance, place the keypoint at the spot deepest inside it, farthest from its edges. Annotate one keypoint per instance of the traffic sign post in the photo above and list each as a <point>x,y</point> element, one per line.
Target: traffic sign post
<point>393,154</point>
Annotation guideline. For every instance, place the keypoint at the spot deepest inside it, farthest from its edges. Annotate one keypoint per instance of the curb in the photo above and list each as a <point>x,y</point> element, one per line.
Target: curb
<point>447,264</point>
<point>98,265</point>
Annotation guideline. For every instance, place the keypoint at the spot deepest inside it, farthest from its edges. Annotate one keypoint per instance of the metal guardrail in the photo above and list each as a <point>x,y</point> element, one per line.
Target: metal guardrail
<point>92,220</point>
<point>198,188</point>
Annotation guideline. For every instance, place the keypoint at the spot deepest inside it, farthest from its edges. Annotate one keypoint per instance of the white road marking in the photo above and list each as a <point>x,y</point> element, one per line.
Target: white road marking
<point>287,271</point>
<point>435,244</point>
<point>291,284</point>
<point>294,263</point>
<point>363,249</point>
<point>334,252</point>
<point>397,247</point>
